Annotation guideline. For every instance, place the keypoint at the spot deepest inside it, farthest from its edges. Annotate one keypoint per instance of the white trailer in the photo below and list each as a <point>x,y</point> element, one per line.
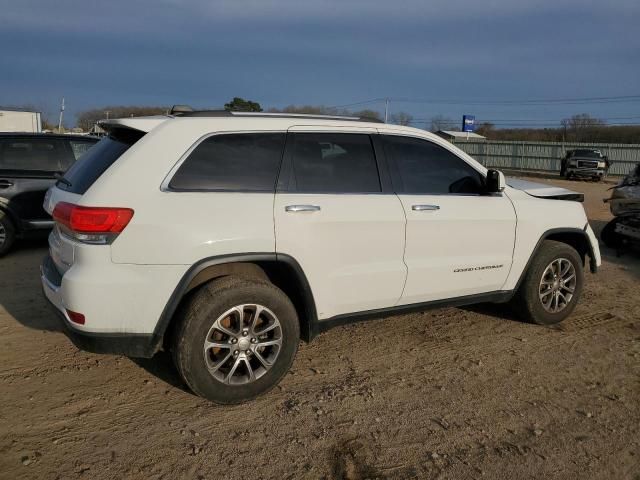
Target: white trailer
<point>20,121</point>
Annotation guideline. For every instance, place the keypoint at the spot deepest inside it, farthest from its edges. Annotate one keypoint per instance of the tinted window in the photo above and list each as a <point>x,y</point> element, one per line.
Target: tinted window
<point>88,169</point>
<point>334,162</point>
<point>40,154</point>
<point>79,147</point>
<point>587,153</point>
<point>420,166</point>
<point>246,161</point>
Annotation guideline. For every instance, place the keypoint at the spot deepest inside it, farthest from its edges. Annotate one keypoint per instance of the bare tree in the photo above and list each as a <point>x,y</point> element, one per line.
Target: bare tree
<point>485,129</point>
<point>440,122</point>
<point>401,118</point>
<point>581,127</point>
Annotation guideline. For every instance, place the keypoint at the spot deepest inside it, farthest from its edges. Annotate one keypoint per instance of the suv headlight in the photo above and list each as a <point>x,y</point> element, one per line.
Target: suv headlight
<point>601,165</point>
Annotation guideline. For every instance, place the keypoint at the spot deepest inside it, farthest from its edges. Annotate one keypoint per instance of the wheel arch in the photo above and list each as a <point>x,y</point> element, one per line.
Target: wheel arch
<point>574,237</point>
<point>280,269</point>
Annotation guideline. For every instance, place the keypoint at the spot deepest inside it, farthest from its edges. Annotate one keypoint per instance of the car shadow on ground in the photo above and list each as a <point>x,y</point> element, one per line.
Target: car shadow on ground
<point>22,298</point>
<point>162,367</point>
<point>20,289</point>
<point>627,256</point>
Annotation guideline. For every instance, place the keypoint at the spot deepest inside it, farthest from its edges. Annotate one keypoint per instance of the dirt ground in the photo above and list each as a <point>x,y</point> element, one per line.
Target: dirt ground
<point>450,393</point>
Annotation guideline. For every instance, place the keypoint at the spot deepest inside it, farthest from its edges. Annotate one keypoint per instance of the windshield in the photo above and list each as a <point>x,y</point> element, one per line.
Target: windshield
<point>587,153</point>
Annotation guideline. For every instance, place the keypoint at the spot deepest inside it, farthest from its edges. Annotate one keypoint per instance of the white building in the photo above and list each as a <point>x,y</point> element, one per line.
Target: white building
<point>20,121</point>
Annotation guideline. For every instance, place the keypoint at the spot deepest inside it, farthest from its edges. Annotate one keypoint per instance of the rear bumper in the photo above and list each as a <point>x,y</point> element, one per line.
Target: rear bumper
<point>128,344</point>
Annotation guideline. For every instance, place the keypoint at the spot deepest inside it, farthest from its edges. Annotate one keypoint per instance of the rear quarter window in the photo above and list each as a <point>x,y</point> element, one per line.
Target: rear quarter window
<point>232,162</point>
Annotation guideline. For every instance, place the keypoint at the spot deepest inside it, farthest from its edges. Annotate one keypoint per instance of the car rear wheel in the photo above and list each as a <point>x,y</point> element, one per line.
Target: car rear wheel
<point>7,233</point>
<point>236,339</point>
<point>552,284</point>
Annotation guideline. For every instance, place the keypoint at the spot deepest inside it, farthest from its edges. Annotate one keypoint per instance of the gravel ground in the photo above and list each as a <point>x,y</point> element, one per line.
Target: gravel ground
<point>450,393</point>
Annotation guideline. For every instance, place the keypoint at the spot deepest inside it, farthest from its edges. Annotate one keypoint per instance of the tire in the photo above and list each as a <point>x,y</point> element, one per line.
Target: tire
<point>609,236</point>
<point>209,314</point>
<point>7,233</point>
<point>529,298</point>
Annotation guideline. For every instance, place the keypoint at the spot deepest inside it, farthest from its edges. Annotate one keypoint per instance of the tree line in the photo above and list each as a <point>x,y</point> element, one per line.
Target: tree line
<point>577,128</point>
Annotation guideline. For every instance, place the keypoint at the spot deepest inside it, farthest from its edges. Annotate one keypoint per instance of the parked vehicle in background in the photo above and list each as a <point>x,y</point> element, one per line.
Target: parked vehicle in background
<point>584,163</point>
<point>226,237</point>
<point>625,206</point>
<point>29,164</point>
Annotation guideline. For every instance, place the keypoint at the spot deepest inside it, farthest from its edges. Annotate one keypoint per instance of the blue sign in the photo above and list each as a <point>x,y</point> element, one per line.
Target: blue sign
<point>468,123</point>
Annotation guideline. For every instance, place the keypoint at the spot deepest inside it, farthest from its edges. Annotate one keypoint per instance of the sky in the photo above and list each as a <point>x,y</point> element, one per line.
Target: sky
<point>430,57</point>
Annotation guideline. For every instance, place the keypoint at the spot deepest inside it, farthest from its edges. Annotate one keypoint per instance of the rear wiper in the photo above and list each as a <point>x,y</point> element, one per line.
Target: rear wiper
<point>62,180</point>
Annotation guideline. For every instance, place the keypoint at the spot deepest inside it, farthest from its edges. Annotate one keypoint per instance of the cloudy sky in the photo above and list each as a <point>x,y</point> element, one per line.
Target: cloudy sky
<point>203,52</point>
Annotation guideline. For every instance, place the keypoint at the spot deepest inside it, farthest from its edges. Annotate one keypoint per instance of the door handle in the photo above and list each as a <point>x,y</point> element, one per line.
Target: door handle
<point>421,208</point>
<point>5,183</point>
<point>302,208</point>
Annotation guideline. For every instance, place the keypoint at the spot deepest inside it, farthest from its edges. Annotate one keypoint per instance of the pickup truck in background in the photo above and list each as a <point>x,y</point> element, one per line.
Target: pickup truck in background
<point>589,163</point>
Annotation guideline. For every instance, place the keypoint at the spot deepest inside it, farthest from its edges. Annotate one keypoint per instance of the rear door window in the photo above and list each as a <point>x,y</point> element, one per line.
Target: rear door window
<point>97,160</point>
<point>233,162</point>
<point>333,163</point>
<point>32,154</point>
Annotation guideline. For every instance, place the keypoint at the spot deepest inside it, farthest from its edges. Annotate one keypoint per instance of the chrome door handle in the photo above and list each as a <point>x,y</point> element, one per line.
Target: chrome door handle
<point>302,208</point>
<point>421,208</point>
<point>5,183</point>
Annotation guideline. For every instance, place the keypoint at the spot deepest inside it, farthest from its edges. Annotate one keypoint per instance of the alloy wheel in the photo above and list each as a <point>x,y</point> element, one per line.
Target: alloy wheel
<point>242,344</point>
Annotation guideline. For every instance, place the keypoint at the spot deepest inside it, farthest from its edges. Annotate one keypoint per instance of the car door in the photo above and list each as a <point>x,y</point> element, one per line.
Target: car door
<point>459,241</point>
<point>27,169</point>
<point>336,219</point>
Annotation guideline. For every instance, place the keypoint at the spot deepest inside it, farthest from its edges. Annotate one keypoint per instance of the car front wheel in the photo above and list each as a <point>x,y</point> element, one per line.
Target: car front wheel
<point>236,339</point>
<point>552,284</point>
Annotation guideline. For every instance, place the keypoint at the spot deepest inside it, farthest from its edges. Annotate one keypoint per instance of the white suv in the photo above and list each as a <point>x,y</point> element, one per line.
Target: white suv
<point>227,237</point>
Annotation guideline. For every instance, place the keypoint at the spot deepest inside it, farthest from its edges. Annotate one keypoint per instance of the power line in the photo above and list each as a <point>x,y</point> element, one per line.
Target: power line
<point>529,125</point>
<point>530,120</point>
<point>549,101</point>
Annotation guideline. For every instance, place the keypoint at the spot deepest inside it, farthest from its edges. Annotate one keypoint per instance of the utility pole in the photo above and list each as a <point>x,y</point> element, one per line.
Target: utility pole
<point>61,115</point>
<point>386,110</point>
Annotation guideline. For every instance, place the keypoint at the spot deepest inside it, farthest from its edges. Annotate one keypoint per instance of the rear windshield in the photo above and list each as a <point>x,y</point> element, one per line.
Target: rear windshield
<point>95,162</point>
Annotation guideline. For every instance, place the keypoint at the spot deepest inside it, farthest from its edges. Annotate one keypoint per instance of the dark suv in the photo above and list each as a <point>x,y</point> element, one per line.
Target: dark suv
<point>29,164</point>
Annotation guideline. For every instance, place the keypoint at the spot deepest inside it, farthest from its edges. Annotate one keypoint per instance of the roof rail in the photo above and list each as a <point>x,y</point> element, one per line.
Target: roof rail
<point>186,111</point>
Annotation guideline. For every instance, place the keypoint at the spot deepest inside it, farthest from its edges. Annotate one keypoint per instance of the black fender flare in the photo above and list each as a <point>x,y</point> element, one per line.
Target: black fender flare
<point>554,231</point>
<point>307,321</point>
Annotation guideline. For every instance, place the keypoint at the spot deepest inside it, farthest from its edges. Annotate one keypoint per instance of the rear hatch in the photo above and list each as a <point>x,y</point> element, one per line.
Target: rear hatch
<point>78,179</point>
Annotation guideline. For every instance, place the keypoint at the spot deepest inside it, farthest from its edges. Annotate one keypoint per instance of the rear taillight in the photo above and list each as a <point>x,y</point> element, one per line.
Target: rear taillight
<point>99,225</point>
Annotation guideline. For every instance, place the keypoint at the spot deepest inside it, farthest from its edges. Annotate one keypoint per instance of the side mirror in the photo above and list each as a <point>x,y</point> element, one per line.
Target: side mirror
<point>495,181</point>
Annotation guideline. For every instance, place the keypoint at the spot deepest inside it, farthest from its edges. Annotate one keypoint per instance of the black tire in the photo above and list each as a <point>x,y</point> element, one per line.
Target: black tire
<point>527,301</point>
<point>199,314</point>
<point>6,227</point>
<point>609,236</point>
